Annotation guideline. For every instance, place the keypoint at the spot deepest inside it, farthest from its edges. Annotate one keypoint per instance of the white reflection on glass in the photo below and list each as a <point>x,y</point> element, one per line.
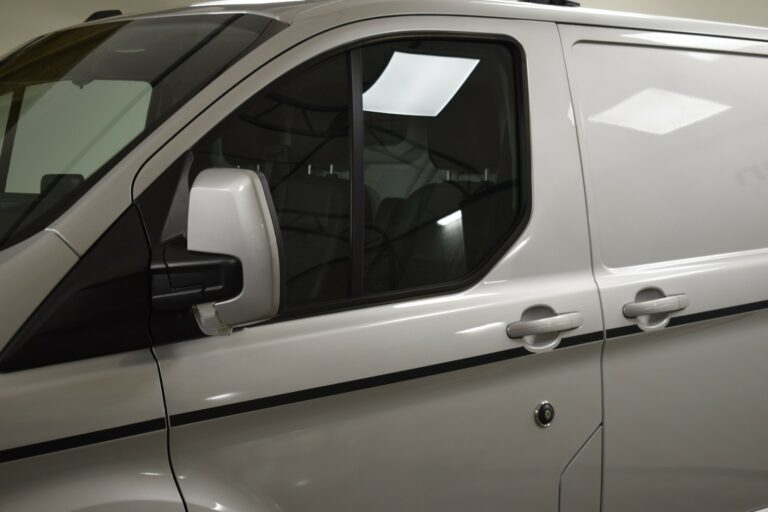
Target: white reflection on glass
<point>659,112</point>
<point>417,85</point>
<point>692,41</point>
<point>450,218</point>
<point>218,507</point>
<point>151,473</point>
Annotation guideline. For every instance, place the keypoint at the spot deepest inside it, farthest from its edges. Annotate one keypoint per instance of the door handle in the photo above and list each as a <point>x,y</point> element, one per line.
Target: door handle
<point>548,325</point>
<point>662,305</point>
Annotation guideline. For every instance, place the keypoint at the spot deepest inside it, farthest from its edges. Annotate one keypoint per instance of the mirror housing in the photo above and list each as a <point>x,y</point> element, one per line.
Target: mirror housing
<point>231,213</point>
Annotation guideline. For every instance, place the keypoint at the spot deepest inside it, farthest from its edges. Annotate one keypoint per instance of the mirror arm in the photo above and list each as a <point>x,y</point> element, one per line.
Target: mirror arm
<point>181,279</point>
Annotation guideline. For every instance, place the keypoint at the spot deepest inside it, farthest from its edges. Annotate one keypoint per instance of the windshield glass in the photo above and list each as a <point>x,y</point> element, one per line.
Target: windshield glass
<point>73,102</point>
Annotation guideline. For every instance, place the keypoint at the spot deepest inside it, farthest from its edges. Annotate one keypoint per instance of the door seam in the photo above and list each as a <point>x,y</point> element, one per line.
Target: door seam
<point>168,432</point>
<point>570,463</point>
<point>591,259</point>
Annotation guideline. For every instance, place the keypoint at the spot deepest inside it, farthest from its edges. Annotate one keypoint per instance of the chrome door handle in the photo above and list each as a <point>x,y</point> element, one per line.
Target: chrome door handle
<point>668,304</point>
<point>551,324</point>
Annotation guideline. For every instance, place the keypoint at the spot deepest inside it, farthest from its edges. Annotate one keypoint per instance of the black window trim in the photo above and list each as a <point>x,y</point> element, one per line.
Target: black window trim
<point>10,129</point>
<point>357,177</point>
<point>354,69</point>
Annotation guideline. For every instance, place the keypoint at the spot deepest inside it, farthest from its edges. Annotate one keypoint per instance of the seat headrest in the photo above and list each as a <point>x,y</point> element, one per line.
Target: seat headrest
<point>313,203</point>
<point>60,183</point>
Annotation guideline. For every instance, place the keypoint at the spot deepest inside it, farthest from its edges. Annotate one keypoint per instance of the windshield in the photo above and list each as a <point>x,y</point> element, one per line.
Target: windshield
<point>73,102</point>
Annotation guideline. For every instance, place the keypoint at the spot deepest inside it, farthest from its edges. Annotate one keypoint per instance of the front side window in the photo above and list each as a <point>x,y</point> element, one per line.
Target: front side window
<point>441,159</point>
<point>297,134</point>
<point>394,167</point>
<point>75,100</point>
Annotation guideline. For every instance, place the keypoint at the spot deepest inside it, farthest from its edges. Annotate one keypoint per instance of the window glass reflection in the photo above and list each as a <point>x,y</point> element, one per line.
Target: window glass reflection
<point>84,126</point>
<point>413,84</point>
<point>441,159</point>
<point>296,133</point>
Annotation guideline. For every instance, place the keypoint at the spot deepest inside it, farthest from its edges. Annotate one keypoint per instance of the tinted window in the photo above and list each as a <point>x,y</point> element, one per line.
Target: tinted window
<point>89,125</point>
<point>297,134</point>
<point>436,187</point>
<point>74,100</point>
<point>441,159</point>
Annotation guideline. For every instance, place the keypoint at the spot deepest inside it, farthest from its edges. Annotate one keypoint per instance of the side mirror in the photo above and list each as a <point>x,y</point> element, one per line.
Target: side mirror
<point>231,213</point>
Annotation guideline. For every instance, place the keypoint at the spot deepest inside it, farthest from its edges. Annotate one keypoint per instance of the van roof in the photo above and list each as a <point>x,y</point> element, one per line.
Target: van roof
<point>345,11</point>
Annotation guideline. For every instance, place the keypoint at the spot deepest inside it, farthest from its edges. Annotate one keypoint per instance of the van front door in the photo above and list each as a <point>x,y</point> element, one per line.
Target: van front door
<point>438,286</point>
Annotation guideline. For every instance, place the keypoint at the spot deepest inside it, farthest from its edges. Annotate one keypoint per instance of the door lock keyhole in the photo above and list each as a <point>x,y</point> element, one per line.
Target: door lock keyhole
<point>544,414</point>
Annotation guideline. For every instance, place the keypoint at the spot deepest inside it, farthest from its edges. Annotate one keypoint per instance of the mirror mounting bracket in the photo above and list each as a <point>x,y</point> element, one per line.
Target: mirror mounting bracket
<point>208,320</point>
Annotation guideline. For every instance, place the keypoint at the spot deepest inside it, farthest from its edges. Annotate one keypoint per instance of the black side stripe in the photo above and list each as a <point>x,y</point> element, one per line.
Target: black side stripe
<point>145,427</point>
<point>718,313</point>
<point>365,383</point>
<point>581,339</point>
<point>627,330</point>
<point>159,424</point>
<point>618,332</point>
<point>382,380</point>
<point>101,436</point>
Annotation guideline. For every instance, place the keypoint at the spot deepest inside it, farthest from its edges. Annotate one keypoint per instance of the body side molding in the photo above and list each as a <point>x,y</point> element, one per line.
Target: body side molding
<point>187,418</point>
<point>101,436</point>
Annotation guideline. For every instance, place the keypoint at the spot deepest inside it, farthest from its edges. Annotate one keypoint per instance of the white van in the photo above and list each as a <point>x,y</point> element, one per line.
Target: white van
<point>369,255</point>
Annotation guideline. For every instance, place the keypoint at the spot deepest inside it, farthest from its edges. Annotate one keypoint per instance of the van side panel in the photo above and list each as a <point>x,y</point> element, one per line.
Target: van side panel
<point>29,271</point>
<point>85,436</point>
<point>675,148</point>
<point>580,485</point>
<point>123,475</point>
<point>673,131</point>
